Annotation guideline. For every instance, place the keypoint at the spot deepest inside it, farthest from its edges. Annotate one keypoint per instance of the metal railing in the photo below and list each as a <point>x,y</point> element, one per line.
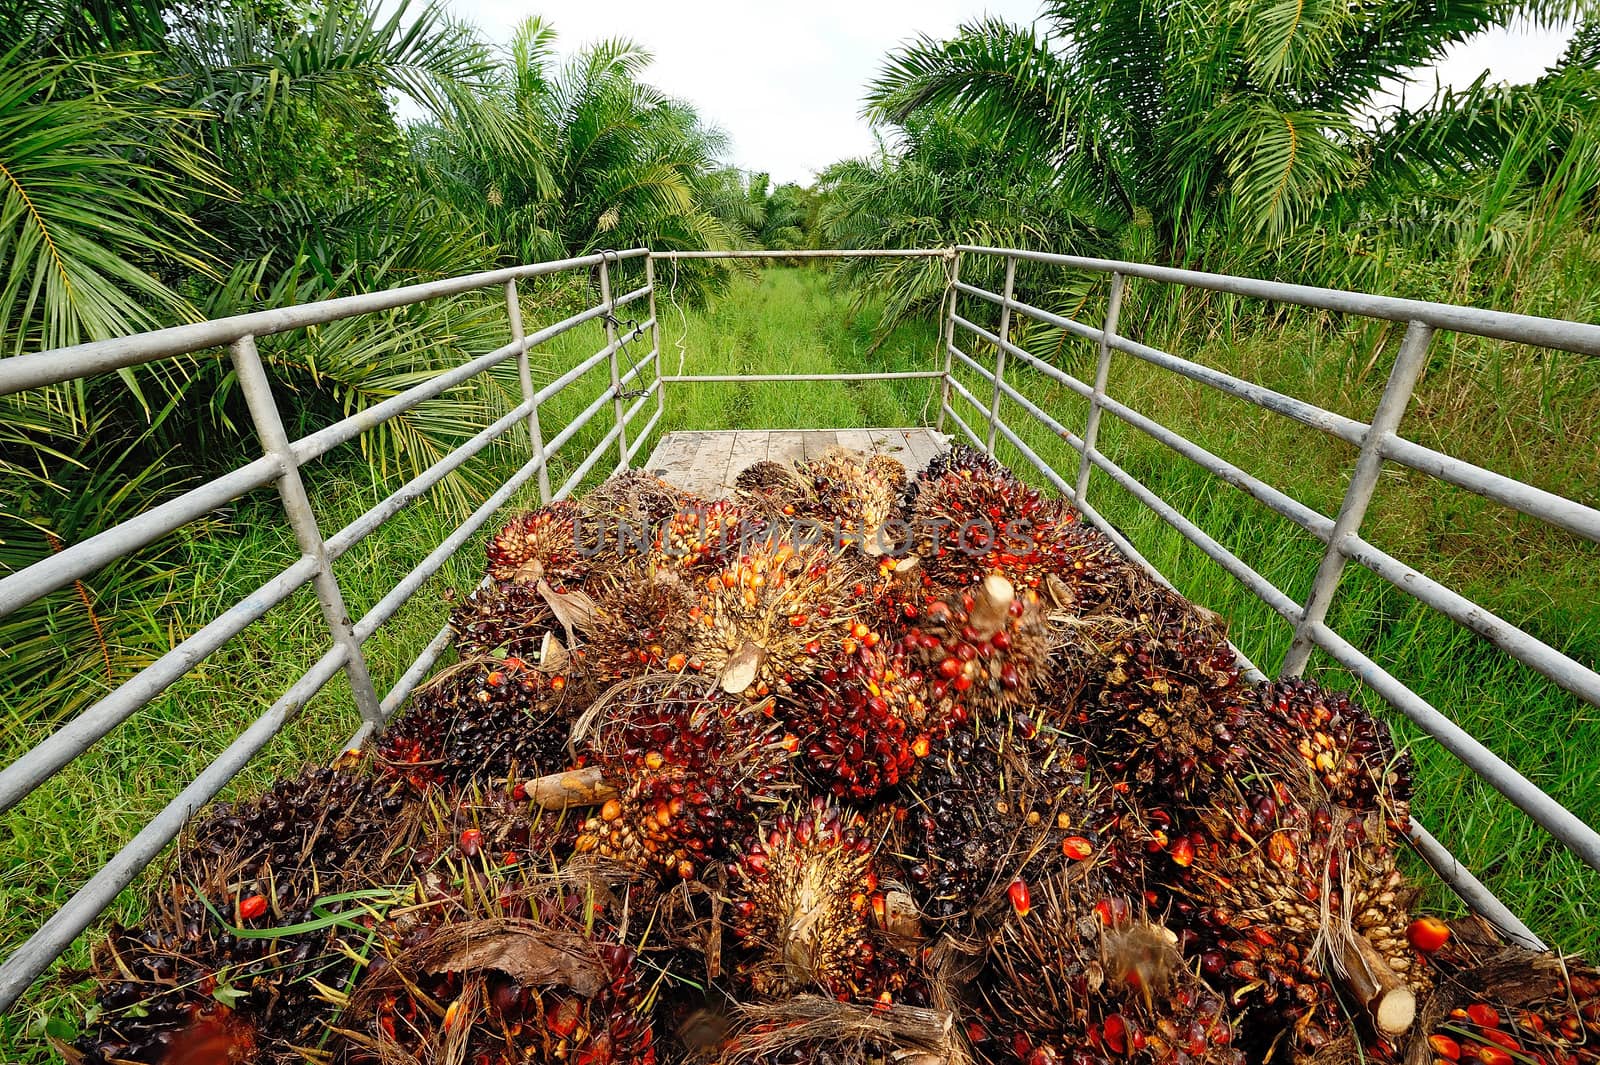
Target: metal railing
<point>1378,442</point>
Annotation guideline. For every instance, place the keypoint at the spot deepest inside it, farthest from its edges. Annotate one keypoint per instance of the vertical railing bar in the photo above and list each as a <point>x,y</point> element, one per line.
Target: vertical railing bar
<point>525,376</point>
<point>1102,373</point>
<point>947,334</point>
<point>655,333</point>
<point>264,413</point>
<point>1000,349</point>
<point>1408,366</point>
<point>611,359</point>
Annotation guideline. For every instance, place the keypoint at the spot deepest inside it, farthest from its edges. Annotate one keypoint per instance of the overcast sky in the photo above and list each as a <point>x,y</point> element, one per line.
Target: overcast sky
<point>785,82</point>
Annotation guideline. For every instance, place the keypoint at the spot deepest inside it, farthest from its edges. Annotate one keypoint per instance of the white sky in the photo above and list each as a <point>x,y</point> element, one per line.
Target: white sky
<point>785,82</point>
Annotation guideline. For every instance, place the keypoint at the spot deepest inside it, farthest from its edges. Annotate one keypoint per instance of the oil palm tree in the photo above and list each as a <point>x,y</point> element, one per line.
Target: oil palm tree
<point>1248,113</point>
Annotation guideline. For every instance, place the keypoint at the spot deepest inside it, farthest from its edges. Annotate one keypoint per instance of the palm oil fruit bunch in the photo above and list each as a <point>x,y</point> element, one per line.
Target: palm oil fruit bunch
<point>634,496</point>
<point>204,968</point>
<point>803,890</point>
<point>1304,729</point>
<point>1162,707</point>
<point>539,545</point>
<point>773,489</point>
<point>860,724</point>
<point>509,620</point>
<point>856,495</point>
<point>639,625</point>
<point>689,769</point>
<point>977,518</point>
<point>704,536</point>
<point>555,986</point>
<point>1077,973</point>
<point>774,615</point>
<point>481,720</point>
<point>983,650</point>
<point>1283,893</point>
<point>992,807</point>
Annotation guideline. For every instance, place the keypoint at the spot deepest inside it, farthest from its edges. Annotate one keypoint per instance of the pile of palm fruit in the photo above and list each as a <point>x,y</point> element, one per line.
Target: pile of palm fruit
<point>845,769</point>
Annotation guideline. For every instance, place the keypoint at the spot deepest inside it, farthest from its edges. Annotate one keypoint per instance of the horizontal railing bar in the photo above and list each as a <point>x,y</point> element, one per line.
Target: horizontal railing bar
<point>326,439</point>
<point>638,367</point>
<point>86,556</point>
<point>1070,325</point>
<point>808,253</point>
<point>22,776</point>
<point>583,418</point>
<point>362,527</point>
<point>1264,589</point>
<point>1560,822</point>
<point>89,901</point>
<point>1469,888</point>
<point>544,394</point>
<point>1055,373</point>
<point>961,390</point>
<point>101,356</point>
<point>589,463</point>
<point>628,297</point>
<point>707,378</point>
<point>1279,502</point>
<point>1532,652</point>
<point>386,608</point>
<point>1535,502</point>
<point>964,426</point>
<point>1500,325</point>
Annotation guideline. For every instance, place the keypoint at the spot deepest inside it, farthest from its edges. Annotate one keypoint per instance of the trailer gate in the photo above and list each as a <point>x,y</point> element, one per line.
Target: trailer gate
<point>1378,442</point>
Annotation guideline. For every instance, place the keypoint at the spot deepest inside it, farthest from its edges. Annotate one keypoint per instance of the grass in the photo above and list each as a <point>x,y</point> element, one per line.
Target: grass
<point>1487,403</point>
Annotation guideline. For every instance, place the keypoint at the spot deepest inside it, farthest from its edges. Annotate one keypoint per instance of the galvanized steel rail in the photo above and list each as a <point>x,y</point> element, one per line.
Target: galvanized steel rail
<point>1377,441</point>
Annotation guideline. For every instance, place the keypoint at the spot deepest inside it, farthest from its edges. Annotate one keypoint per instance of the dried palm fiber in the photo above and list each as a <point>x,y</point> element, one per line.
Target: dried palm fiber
<point>989,806</point>
<point>775,490</point>
<point>810,1029</point>
<point>255,905</point>
<point>481,720</point>
<point>539,545</point>
<point>862,722</point>
<point>1077,973</point>
<point>775,614</point>
<point>1496,1003</point>
<point>1283,895</point>
<point>983,650</point>
<point>803,889</point>
<point>640,624</point>
<point>458,985</point>
<point>1155,688</point>
<point>970,522</point>
<point>856,497</point>
<point>691,767</point>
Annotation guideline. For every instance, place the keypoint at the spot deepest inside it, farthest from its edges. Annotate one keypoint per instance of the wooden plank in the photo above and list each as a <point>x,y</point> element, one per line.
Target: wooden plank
<point>856,440</point>
<point>890,442</point>
<point>710,469</point>
<point>924,444</point>
<point>786,445</point>
<point>816,441</point>
<point>673,457</point>
<point>749,447</point>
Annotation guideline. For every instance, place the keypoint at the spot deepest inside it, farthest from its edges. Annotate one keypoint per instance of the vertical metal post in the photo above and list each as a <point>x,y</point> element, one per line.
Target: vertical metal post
<point>275,443</point>
<point>1000,351</point>
<point>611,342</point>
<point>1102,371</point>
<point>655,333</point>
<point>525,375</point>
<point>948,334</point>
<point>1408,365</point>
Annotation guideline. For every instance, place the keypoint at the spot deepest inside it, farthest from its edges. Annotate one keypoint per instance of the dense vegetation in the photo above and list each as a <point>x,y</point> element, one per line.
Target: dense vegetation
<point>161,163</point>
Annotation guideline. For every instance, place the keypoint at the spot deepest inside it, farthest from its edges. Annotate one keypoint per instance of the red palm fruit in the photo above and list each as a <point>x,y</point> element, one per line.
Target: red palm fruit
<point>983,651</point>
<point>691,767</point>
<point>539,545</point>
<point>1021,900</point>
<point>252,907</point>
<point>1427,934</point>
<point>802,889</point>
<point>1445,1047</point>
<point>775,615</point>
